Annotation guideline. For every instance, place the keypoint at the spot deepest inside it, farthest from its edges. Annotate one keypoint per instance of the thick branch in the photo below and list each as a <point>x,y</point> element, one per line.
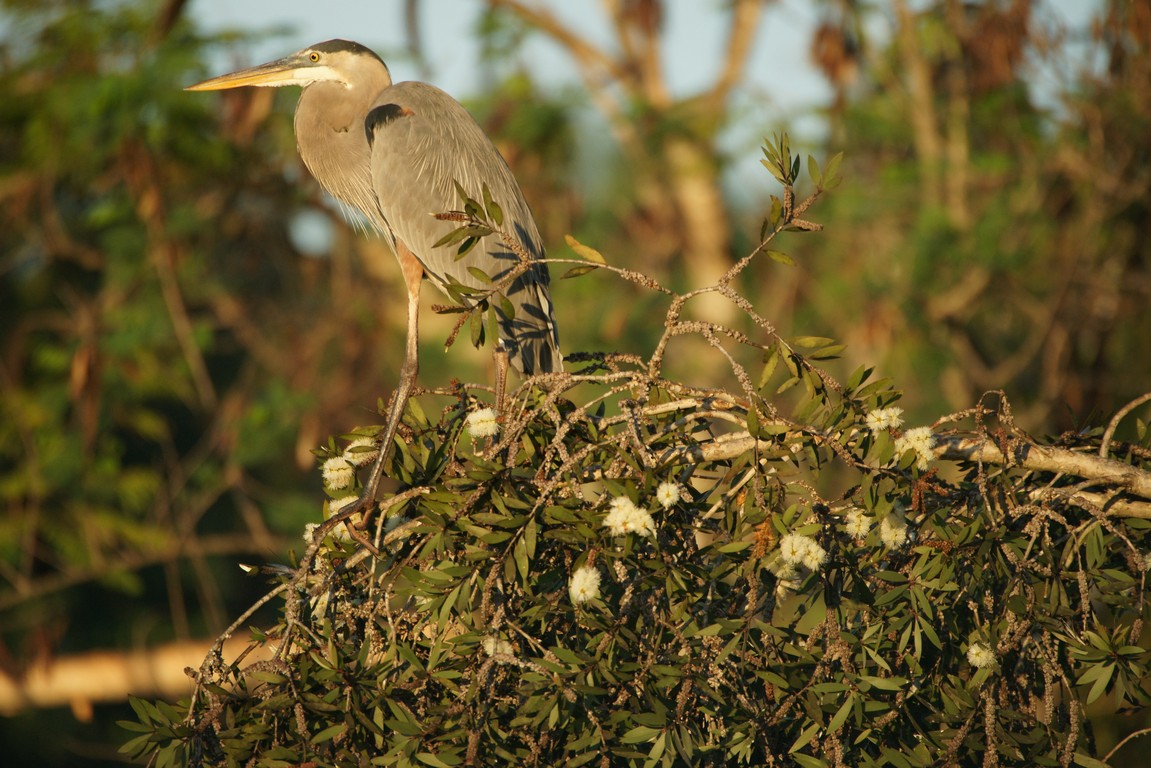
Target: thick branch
<point>1038,458</point>
<point>742,30</point>
<point>587,55</point>
<point>85,678</point>
<point>1043,458</point>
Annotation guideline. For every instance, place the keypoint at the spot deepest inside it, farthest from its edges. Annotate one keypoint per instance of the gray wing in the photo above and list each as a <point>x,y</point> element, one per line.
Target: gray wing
<point>421,140</point>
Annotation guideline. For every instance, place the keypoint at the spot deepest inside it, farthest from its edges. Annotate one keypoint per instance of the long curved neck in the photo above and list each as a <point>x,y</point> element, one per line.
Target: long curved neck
<point>330,136</point>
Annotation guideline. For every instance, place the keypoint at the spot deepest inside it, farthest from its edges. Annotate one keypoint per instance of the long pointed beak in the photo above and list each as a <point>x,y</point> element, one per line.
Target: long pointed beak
<point>284,71</point>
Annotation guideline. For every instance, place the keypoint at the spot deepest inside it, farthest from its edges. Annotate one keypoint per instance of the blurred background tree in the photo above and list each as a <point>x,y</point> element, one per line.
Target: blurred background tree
<point>174,338</point>
<point>989,237</point>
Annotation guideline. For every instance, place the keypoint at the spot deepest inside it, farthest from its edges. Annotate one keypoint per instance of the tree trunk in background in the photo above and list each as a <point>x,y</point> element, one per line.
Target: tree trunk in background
<point>921,106</point>
<point>705,232</point>
<point>679,211</point>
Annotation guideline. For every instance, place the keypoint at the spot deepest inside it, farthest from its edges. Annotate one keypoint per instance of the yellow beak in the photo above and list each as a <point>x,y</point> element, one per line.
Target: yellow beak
<point>286,71</point>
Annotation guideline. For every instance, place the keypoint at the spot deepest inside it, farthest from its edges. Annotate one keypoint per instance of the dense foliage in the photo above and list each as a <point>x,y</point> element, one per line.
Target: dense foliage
<point>630,570</point>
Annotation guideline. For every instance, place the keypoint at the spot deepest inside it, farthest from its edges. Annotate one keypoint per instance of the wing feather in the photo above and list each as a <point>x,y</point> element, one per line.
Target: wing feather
<point>421,141</point>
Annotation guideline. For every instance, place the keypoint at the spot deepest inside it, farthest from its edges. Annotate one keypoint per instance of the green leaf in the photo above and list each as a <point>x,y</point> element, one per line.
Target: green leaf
<point>830,352</point>
<point>769,364</point>
<point>813,171</point>
<point>451,238</point>
<point>776,214</point>
<point>804,739</point>
<point>841,714</point>
<point>521,557</point>
<point>810,342</point>
<point>1103,680</point>
<point>640,734</point>
<point>577,271</point>
<point>584,251</point>
<point>480,275</point>
<point>883,683</point>
<point>462,193</point>
<point>831,177</point>
<point>476,326</point>
<point>465,247</point>
<point>781,257</point>
<point>1089,762</point>
<point>432,759</point>
<point>329,733</point>
<point>494,213</point>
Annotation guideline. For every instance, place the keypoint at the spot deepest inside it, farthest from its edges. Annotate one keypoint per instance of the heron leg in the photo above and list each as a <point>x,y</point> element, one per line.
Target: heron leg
<point>413,273</point>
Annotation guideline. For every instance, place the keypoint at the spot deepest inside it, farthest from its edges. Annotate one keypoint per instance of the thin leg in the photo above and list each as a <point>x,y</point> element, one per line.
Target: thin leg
<point>413,273</point>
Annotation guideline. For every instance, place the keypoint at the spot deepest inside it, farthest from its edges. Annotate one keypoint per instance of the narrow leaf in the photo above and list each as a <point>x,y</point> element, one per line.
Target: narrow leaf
<point>577,271</point>
<point>584,251</point>
<point>480,275</point>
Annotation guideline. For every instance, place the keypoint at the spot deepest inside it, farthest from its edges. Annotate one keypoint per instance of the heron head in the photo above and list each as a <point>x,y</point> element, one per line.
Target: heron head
<point>338,61</point>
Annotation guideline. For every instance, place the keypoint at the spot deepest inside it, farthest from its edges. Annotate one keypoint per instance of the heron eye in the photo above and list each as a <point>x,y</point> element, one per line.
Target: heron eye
<point>314,56</point>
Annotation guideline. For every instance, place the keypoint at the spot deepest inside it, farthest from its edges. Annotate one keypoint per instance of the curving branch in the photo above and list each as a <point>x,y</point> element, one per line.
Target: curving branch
<point>589,57</point>
<point>743,27</point>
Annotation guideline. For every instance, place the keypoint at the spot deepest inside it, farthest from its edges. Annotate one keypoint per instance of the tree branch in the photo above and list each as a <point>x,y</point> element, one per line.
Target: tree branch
<point>224,544</point>
<point>1029,456</point>
<point>586,55</point>
<point>81,679</point>
<point>744,25</point>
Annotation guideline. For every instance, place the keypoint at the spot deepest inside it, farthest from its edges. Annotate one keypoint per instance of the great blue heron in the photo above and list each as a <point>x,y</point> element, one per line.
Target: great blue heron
<point>392,151</point>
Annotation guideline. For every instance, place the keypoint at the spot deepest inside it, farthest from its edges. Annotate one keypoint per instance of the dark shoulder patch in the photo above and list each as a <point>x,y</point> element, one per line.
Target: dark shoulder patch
<point>381,116</point>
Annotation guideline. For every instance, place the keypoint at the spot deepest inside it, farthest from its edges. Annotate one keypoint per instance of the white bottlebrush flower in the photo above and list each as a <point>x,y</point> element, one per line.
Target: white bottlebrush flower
<point>335,505</point>
<point>625,517</point>
<point>338,472</point>
<point>802,550</point>
<point>815,557</point>
<point>667,495</point>
<point>980,656</point>
<point>882,419</point>
<point>584,584</point>
<point>919,440</point>
<point>339,532</point>
<point>893,530</point>
<point>497,646</point>
<point>791,547</point>
<point>858,523</point>
<point>787,574</point>
<point>362,451</point>
<point>782,569</point>
<point>483,423</point>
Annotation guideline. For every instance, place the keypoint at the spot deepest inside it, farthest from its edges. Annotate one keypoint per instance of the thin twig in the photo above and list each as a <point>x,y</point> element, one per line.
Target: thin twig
<point>1105,443</point>
<point>1124,740</point>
